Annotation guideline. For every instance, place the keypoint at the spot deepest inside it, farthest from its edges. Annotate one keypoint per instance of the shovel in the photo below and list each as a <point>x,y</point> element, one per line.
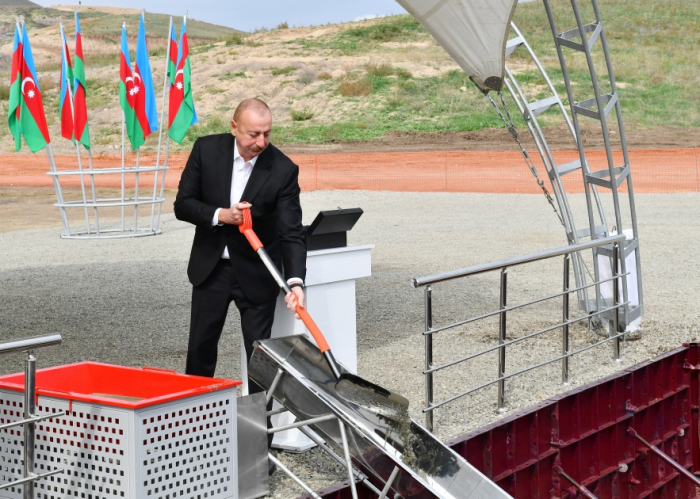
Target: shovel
<point>350,387</point>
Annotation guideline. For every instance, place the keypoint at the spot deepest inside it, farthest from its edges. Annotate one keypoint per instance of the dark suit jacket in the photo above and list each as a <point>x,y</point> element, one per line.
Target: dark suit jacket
<point>272,189</point>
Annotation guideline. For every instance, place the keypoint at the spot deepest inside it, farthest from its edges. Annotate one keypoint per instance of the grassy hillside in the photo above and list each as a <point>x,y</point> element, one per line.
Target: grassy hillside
<point>101,25</point>
<point>652,45</point>
<point>358,81</point>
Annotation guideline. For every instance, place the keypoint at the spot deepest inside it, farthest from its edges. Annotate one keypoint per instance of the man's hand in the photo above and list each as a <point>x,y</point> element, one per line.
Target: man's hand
<point>294,298</point>
<point>234,214</point>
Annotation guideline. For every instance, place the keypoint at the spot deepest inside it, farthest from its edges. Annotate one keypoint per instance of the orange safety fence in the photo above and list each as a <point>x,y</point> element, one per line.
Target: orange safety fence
<point>653,171</point>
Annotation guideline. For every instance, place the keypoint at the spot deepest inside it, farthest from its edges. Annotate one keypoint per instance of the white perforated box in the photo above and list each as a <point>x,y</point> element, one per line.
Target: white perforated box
<point>182,447</point>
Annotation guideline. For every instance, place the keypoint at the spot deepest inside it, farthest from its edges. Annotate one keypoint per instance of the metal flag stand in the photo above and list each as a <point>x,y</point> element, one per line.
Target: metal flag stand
<point>100,227</point>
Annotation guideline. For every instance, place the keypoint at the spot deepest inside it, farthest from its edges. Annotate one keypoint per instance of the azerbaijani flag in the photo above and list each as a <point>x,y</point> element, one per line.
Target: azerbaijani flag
<point>146,109</point>
<point>127,95</point>
<point>81,131</point>
<point>181,110</point>
<point>15,89</point>
<point>172,63</point>
<point>65,113</point>
<point>32,120</point>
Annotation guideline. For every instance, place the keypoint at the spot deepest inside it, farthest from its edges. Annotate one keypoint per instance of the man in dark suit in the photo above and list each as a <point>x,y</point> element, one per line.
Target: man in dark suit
<point>224,174</point>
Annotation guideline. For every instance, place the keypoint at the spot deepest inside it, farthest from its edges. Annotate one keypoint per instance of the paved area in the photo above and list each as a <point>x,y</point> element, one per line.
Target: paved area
<point>127,301</point>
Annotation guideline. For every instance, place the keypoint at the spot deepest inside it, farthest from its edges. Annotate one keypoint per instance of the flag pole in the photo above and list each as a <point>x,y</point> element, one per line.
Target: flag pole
<point>162,117</point>
<point>123,153</point>
<point>138,153</point>
<point>92,175</point>
<point>136,191</point>
<point>52,167</point>
<point>162,181</point>
<point>72,113</point>
<point>94,193</point>
<point>167,145</point>
<point>165,87</point>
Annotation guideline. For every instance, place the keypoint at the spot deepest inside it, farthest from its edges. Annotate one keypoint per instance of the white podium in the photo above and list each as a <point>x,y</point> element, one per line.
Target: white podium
<point>330,299</point>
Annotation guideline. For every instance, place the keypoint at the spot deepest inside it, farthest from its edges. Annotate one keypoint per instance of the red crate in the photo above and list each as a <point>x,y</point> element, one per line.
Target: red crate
<point>127,432</point>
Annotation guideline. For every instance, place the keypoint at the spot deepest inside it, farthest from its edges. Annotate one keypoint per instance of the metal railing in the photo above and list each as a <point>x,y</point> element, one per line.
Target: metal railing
<point>29,346</point>
<point>503,265</point>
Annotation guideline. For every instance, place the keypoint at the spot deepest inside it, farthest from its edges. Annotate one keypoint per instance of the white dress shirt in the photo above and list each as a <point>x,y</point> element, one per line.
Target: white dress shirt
<point>239,179</point>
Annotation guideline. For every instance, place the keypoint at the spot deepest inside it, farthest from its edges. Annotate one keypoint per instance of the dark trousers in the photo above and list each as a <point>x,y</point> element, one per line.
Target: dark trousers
<point>210,302</point>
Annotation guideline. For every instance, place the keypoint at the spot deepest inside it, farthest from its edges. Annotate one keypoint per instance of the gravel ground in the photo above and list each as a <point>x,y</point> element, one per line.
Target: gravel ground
<point>106,297</point>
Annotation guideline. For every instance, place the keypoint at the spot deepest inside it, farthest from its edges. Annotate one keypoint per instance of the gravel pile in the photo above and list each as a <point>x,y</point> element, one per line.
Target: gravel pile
<point>127,301</point>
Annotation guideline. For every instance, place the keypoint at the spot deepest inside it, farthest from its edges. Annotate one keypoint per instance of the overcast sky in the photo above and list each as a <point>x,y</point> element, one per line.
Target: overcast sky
<point>248,15</point>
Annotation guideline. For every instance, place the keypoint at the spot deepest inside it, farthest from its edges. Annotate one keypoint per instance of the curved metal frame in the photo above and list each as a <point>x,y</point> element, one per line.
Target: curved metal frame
<point>529,111</point>
<point>597,222</point>
<point>599,107</point>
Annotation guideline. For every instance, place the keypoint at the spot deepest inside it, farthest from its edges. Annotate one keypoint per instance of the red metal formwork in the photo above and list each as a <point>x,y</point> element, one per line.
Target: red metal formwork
<point>585,433</point>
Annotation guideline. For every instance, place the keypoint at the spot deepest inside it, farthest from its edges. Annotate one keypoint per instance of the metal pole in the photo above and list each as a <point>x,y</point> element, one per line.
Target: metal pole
<point>273,385</point>
<point>677,466</point>
<point>33,344</point>
<point>291,475</point>
<point>57,188</point>
<point>162,179</point>
<point>584,491</point>
<point>565,320</point>
<point>136,191</point>
<point>359,476</point>
<point>391,479</point>
<point>299,424</point>
<point>502,329</point>
<point>29,410</point>
<point>123,166</point>
<point>348,460</point>
<point>52,167</point>
<point>92,176</point>
<point>77,144</point>
<point>616,300</point>
<point>94,193</point>
<point>162,117</point>
<point>428,357</point>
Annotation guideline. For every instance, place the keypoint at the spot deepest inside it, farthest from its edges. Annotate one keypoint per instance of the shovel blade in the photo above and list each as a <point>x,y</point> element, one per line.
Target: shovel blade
<point>374,398</point>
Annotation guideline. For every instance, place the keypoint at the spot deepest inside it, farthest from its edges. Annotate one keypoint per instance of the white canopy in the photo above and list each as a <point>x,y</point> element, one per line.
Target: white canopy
<point>473,32</point>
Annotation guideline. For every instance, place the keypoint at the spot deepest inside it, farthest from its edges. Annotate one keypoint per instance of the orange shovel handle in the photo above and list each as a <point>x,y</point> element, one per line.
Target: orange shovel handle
<point>313,329</point>
<point>246,229</point>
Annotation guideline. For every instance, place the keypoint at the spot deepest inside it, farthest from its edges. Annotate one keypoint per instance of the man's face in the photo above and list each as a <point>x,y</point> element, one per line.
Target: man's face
<point>252,132</point>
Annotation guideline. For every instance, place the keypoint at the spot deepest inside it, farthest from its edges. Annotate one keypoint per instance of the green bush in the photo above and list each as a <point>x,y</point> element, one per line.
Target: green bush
<point>349,87</point>
<point>282,71</point>
<point>382,70</point>
<point>234,39</point>
<point>303,114</point>
<point>396,28</point>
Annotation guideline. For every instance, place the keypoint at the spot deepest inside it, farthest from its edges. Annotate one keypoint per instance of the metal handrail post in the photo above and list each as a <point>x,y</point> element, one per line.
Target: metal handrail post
<point>29,428</point>
<point>616,300</point>
<point>565,320</point>
<point>502,329</point>
<point>428,357</point>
